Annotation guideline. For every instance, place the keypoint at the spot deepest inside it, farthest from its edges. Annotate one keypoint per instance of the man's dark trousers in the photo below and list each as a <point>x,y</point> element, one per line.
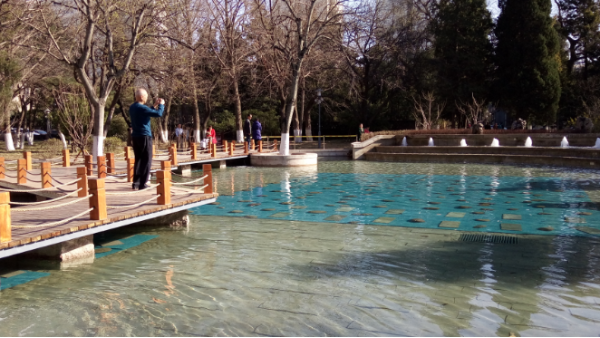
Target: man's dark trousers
<point>142,149</point>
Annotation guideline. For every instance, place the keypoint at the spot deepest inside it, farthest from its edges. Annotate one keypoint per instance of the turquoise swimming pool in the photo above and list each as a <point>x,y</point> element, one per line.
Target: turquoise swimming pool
<point>502,204</point>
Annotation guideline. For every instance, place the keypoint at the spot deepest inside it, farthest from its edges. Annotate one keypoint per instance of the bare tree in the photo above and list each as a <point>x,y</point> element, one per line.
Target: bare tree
<point>427,111</point>
<point>75,114</point>
<point>97,40</point>
<point>292,28</point>
<point>474,111</point>
<point>230,19</point>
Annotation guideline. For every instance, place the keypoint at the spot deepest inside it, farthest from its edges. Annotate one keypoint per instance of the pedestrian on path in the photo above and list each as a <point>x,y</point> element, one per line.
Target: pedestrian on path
<point>248,130</point>
<point>212,135</point>
<point>361,131</point>
<point>256,131</point>
<point>141,136</point>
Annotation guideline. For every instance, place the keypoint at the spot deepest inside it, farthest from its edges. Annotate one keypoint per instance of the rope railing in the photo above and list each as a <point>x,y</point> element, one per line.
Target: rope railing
<point>7,175</point>
<point>42,189</point>
<point>194,181</point>
<point>47,201</point>
<point>131,192</point>
<point>190,191</point>
<point>131,205</point>
<point>66,220</point>
<point>61,183</point>
<point>77,200</point>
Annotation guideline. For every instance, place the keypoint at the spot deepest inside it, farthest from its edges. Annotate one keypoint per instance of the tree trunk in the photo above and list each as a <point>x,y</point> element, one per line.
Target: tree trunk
<point>111,113</point>
<point>238,112</point>
<point>62,138</point>
<point>289,110</point>
<point>98,132</point>
<point>296,125</point>
<point>8,140</point>
<point>164,125</point>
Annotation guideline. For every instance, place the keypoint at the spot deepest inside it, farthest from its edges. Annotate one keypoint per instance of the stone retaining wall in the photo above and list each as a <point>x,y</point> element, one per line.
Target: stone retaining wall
<point>539,140</point>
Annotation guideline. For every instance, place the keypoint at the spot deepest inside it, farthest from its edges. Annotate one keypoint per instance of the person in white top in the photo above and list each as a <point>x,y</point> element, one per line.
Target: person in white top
<point>178,138</point>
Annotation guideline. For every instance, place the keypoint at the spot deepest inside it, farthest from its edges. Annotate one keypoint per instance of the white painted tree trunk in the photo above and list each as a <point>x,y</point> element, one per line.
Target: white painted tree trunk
<point>197,136</point>
<point>22,140</point>
<point>8,140</point>
<point>240,136</point>
<point>164,136</point>
<point>62,138</point>
<point>30,138</point>
<point>98,146</point>
<point>284,148</point>
<point>298,135</point>
<point>308,134</point>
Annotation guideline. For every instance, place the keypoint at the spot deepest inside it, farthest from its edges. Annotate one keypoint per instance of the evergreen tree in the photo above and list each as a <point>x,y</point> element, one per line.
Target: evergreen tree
<point>528,60</point>
<point>463,51</point>
<point>578,24</point>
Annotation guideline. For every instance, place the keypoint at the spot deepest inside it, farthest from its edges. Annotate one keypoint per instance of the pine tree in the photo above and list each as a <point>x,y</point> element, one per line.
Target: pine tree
<point>463,51</point>
<point>528,60</point>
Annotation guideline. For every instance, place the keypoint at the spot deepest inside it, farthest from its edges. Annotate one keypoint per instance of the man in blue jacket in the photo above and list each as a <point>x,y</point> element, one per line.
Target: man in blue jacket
<point>142,136</point>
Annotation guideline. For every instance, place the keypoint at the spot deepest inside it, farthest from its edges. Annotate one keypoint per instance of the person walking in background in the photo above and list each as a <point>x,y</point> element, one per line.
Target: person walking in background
<point>361,131</point>
<point>212,135</point>
<point>248,130</point>
<point>178,136</point>
<point>142,136</point>
<point>256,131</point>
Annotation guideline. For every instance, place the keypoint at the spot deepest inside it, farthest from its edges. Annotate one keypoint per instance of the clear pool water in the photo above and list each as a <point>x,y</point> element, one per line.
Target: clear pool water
<point>229,275</point>
<point>501,204</point>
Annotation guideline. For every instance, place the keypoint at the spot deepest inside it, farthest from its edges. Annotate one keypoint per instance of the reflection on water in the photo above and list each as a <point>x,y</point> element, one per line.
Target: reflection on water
<point>238,276</point>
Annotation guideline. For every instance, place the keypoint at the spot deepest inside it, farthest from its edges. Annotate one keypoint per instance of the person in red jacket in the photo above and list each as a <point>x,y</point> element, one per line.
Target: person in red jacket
<point>212,134</point>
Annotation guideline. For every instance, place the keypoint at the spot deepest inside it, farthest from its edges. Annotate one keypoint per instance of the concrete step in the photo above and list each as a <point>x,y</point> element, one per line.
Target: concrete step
<point>584,153</point>
<point>541,160</point>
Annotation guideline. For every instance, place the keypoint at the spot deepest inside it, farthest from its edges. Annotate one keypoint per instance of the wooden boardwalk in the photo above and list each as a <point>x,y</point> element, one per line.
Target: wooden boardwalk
<point>69,208</point>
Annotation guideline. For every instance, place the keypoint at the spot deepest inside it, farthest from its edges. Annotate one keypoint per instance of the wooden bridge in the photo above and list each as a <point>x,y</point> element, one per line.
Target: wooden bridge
<point>78,199</point>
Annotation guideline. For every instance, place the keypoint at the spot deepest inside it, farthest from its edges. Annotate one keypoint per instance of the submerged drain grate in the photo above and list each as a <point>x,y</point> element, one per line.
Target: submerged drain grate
<point>503,239</point>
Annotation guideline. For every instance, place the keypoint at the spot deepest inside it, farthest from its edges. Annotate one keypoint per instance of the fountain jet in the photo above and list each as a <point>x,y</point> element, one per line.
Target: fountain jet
<point>528,142</point>
<point>597,143</point>
<point>463,143</point>
<point>564,143</point>
<point>404,143</point>
<point>495,143</point>
<point>430,142</point>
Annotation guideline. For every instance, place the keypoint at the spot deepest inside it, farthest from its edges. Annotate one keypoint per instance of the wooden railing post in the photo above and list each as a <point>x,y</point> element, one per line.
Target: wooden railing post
<point>2,168</point>
<point>163,178</point>
<point>130,165</point>
<point>83,182</point>
<point>274,145</point>
<point>260,146</point>
<point>110,163</point>
<point>253,145</point>
<point>5,221</point>
<point>153,150</point>
<point>194,147</point>
<point>231,148</point>
<point>21,171</point>
<point>214,150</point>
<point>173,153</point>
<point>46,172</point>
<point>89,165</point>
<point>165,165</point>
<point>245,147</point>
<point>101,166</point>
<point>27,157</point>
<point>98,199</point>
<point>66,158</point>
<point>207,170</point>
<point>127,154</point>
<point>225,146</point>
